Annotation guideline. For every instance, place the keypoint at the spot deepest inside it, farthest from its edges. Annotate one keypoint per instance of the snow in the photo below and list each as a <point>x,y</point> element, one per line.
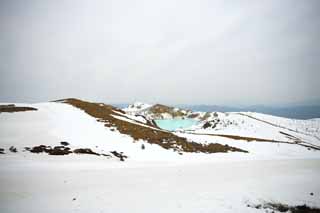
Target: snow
<point>131,121</point>
<point>56,122</point>
<point>51,185</point>
<point>257,150</point>
<point>132,117</point>
<point>269,127</point>
<point>153,179</point>
<point>311,126</point>
<point>137,106</point>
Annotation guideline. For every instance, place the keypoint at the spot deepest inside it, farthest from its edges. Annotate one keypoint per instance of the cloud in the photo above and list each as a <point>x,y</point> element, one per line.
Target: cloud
<point>213,52</point>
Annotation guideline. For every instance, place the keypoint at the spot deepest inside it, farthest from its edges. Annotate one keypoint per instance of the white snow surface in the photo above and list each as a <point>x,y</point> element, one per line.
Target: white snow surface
<point>263,126</point>
<point>136,107</point>
<point>56,122</point>
<point>153,179</point>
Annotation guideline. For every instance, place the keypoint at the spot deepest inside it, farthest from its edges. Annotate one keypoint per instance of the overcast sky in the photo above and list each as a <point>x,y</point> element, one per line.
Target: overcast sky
<point>190,52</point>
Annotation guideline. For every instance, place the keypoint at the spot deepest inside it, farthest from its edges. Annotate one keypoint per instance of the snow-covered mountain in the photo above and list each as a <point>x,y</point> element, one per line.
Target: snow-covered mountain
<point>137,107</point>
<point>104,128</point>
<point>71,151</point>
<point>97,126</point>
<point>160,111</point>
<point>246,126</point>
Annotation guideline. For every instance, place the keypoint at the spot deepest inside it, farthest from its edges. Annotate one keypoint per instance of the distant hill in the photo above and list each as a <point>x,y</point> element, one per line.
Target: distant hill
<point>296,112</point>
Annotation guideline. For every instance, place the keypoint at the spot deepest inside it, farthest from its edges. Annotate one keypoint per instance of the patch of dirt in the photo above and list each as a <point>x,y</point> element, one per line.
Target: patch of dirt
<point>158,109</point>
<point>57,150</point>
<point>286,208</point>
<point>62,150</point>
<point>103,113</point>
<point>85,151</point>
<point>119,155</point>
<point>38,149</point>
<point>64,143</point>
<point>13,149</point>
<point>106,155</point>
<point>12,108</point>
<point>211,124</point>
<point>193,115</point>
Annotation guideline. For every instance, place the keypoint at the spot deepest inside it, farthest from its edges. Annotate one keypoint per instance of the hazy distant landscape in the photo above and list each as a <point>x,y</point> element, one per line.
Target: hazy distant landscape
<point>297,112</point>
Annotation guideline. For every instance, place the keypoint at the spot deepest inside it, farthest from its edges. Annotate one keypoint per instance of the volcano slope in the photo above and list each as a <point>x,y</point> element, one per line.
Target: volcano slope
<point>116,118</point>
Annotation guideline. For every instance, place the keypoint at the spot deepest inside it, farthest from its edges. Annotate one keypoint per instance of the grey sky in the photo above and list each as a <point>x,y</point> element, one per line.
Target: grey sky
<point>196,52</point>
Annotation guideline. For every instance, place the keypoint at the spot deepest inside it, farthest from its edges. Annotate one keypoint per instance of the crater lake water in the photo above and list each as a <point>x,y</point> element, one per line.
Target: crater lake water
<point>174,124</point>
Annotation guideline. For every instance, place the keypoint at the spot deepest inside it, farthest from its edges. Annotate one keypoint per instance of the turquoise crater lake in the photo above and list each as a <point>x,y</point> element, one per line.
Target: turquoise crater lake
<point>174,124</point>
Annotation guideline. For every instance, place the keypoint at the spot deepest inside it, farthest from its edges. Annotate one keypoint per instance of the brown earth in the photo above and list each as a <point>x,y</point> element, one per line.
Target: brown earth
<point>12,108</point>
<point>158,109</point>
<point>85,151</point>
<point>150,133</point>
<point>251,139</point>
<point>280,207</point>
<point>57,150</point>
<point>63,150</point>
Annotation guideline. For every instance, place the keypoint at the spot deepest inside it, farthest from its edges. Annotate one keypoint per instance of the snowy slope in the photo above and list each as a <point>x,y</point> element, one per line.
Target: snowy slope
<point>92,185</point>
<point>137,107</point>
<point>256,126</point>
<point>56,122</point>
<point>261,126</point>
<point>153,179</point>
<point>308,127</point>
